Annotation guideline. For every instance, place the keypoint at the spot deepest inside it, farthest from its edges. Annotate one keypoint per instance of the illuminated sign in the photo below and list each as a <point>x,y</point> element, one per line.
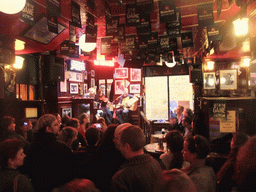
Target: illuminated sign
<point>104,63</point>
<point>76,65</point>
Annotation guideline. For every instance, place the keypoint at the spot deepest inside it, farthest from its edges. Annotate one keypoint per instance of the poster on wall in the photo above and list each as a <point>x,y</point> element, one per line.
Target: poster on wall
<point>135,88</point>
<point>66,111</point>
<point>229,126</point>
<point>228,79</point>
<point>209,80</point>
<point>77,77</point>
<point>73,88</point>
<point>121,73</point>
<point>92,82</point>
<point>75,14</point>
<point>119,86</point>
<point>135,74</point>
<point>219,110</point>
<point>28,13</point>
<point>85,88</point>
<point>63,86</point>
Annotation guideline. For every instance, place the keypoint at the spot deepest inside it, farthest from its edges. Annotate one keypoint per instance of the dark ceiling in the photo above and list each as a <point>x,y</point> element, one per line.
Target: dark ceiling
<point>12,26</point>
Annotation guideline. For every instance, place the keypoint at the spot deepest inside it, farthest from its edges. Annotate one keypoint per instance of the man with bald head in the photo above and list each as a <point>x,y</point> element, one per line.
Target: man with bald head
<point>140,171</point>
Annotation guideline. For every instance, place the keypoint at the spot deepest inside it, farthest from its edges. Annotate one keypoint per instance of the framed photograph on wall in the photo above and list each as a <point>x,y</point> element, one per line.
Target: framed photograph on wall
<point>63,86</point>
<point>85,75</point>
<point>92,82</point>
<point>135,74</point>
<point>119,86</point>
<point>228,79</point>
<point>121,73</point>
<point>66,111</point>
<point>134,88</point>
<point>209,80</point>
<point>73,88</point>
<point>77,77</point>
<point>92,73</point>
<point>85,88</point>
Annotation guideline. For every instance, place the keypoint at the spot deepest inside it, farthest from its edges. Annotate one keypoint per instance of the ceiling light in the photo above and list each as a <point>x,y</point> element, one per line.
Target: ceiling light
<point>241,26</point>
<point>87,47</point>
<point>18,62</point>
<point>210,65</point>
<point>19,45</point>
<point>12,6</point>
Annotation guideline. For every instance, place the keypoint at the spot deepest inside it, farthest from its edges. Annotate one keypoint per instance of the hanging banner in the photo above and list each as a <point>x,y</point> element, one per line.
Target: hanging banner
<point>91,34</point>
<point>91,4</point>
<point>167,12</point>
<point>164,42</point>
<point>143,42</point>
<point>90,20</point>
<point>219,110</point>
<point>73,51</point>
<point>130,42</point>
<point>213,32</point>
<point>187,39</point>
<point>121,32</point>
<point>173,44</point>
<point>144,6</point>
<point>53,8</point>
<point>75,14</point>
<point>205,15</point>
<point>173,28</point>
<point>132,18</point>
<point>114,50</point>
<point>28,13</point>
<point>52,24</point>
<point>123,48</point>
<point>153,41</point>
<point>72,33</point>
<point>112,26</point>
<point>106,45</point>
<point>145,25</point>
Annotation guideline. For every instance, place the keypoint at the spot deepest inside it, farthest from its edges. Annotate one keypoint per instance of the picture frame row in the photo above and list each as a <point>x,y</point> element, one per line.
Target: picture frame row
<point>122,73</point>
<point>227,80</point>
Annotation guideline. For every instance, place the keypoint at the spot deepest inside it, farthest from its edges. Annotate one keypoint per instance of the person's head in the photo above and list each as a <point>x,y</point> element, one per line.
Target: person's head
<point>73,122</point>
<point>187,121</point>
<point>24,125</point>
<point>83,118</point>
<point>117,133</point>
<point>174,141</point>
<point>78,185</point>
<point>92,136</point>
<point>67,135</point>
<point>102,121</point>
<point>187,112</point>
<point>132,141</point>
<point>174,180</point>
<point>245,167</point>
<point>238,140</point>
<point>57,115</point>
<point>65,119</point>
<point>11,153</point>
<point>92,92</point>
<point>8,124</point>
<point>107,139</point>
<point>48,123</point>
<point>125,92</point>
<point>173,121</point>
<point>195,147</point>
<point>179,110</point>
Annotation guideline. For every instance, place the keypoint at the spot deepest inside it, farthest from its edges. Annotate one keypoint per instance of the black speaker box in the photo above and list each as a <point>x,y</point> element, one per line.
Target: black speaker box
<point>53,68</point>
<point>196,76</point>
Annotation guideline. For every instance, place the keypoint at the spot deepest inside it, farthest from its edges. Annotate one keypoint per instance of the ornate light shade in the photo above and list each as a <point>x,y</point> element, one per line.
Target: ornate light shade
<point>12,6</point>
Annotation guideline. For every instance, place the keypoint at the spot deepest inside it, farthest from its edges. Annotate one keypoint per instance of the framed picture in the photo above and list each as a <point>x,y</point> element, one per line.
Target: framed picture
<point>135,88</point>
<point>85,75</point>
<point>119,86</point>
<point>228,79</point>
<point>63,86</point>
<point>135,74</point>
<point>92,73</point>
<point>85,88</point>
<point>77,77</point>
<point>209,80</point>
<point>66,111</point>
<point>121,73</point>
<point>102,85</point>
<point>92,82</point>
<point>73,88</point>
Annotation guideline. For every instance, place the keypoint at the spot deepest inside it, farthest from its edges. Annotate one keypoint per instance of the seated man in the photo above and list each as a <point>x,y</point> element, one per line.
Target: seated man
<point>140,171</point>
<point>128,104</point>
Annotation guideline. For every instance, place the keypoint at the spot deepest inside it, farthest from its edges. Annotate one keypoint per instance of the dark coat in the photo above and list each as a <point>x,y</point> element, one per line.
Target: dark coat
<point>48,162</point>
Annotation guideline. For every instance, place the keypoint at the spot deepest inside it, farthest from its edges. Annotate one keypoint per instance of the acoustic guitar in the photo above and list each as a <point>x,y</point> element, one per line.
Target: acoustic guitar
<point>129,103</point>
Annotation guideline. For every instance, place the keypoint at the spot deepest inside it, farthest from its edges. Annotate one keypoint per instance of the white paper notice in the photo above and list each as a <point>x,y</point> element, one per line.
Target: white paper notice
<point>229,126</point>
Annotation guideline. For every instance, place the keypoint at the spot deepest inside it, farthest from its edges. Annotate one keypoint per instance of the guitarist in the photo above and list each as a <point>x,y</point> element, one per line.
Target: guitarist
<point>124,113</point>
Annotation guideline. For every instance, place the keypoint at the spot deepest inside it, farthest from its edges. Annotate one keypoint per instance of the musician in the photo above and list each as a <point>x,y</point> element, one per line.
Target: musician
<point>102,103</point>
<point>124,113</point>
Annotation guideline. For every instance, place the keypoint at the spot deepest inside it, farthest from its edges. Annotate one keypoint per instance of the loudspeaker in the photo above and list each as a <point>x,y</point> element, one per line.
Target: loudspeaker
<point>53,68</point>
<point>196,76</point>
<point>133,63</point>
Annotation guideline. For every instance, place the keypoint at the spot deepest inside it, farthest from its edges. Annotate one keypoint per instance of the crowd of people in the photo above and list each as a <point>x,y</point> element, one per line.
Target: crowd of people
<point>72,154</point>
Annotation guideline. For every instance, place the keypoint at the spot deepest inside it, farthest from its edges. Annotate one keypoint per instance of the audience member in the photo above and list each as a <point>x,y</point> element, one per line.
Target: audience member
<point>224,175</point>
<point>64,121</point>
<point>48,163</point>
<point>179,116</point>
<point>173,158</point>
<point>67,136</point>
<point>12,157</point>
<point>174,181</point>
<point>78,185</point>
<point>117,133</point>
<point>92,136</point>
<point>245,167</point>
<point>102,121</point>
<point>57,115</point>
<point>140,171</point>
<point>195,152</point>
<point>74,122</point>
<point>84,123</point>
<point>187,124</point>
<point>24,128</point>
<point>188,113</point>
<point>199,124</point>
<point>7,130</point>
